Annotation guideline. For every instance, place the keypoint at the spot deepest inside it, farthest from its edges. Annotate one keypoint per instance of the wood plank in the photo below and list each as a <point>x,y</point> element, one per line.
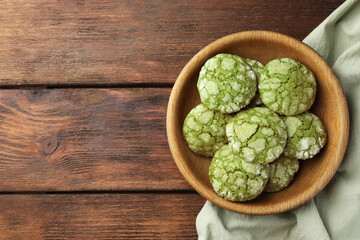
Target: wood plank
<point>98,216</point>
<point>85,139</point>
<point>52,42</point>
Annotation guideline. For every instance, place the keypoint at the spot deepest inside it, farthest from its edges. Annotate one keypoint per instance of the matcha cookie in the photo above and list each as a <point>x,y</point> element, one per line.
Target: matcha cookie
<point>257,67</point>
<point>258,135</point>
<point>204,130</point>
<point>226,83</point>
<point>234,179</point>
<point>287,86</point>
<point>306,136</point>
<point>282,172</point>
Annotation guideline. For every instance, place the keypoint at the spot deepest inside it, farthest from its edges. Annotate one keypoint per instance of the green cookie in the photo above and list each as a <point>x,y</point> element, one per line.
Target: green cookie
<point>234,179</point>
<point>257,67</point>
<point>287,86</point>
<point>204,130</point>
<point>258,135</point>
<point>306,136</point>
<point>282,172</point>
<point>226,83</point>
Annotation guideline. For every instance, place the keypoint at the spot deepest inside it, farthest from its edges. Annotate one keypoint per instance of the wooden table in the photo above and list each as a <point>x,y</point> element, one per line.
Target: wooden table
<point>84,90</point>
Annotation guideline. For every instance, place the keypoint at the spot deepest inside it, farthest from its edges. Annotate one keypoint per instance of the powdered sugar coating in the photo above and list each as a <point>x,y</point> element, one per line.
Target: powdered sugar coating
<point>307,136</point>
<point>226,83</point>
<point>204,130</point>
<point>287,86</point>
<point>258,135</point>
<point>282,172</point>
<point>235,179</point>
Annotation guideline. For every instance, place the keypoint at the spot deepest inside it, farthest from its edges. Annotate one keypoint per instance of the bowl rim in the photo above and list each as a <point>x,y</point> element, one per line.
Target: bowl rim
<point>173,139</point>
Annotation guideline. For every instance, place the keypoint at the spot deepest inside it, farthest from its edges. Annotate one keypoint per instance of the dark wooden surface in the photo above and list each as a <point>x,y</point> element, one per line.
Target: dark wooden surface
<point>84,87</point>
<point>99,216</point>
<point>100,42</point>
<point>85,139</point>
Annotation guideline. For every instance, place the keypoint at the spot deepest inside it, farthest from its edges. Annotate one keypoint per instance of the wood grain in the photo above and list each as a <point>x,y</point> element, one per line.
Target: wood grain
<point>52,42</point>
<point>97,216</point>
<point>103,140</point>
<point>85,139</point>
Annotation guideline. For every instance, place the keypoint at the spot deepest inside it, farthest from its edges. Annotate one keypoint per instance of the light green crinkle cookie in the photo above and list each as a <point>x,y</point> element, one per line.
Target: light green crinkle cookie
<point>287,86</point>
<point>204,130</point>
<point>234,179</point>
<point>258,135</point>
<point>282,172</point>
<point>306,136</point>
<point>226,83</point>
<point>257,67</point>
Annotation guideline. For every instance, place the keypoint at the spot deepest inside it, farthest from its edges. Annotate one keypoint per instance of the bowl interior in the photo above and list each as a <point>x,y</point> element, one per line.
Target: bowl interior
<point>330,105</point>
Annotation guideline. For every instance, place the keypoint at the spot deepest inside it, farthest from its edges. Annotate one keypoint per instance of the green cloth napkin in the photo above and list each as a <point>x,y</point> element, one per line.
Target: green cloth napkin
<point>335,212</point>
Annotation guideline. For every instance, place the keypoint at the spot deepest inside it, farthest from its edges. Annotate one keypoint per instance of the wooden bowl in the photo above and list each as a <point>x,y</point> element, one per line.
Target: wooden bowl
<point>330,105</point>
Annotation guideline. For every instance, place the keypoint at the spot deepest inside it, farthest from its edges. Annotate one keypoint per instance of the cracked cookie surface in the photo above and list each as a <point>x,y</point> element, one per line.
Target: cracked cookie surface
<point>282,172</point>
<point>226,83</point>
<point>258,135</point>
<point>257,67</point>
<point>235,179</point>
<point>204,130</point>
<point>287,86</point>
<point>306,136</point>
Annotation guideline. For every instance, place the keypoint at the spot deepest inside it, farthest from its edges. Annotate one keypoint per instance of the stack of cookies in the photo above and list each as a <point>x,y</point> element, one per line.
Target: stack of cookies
<point>254,123</point>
